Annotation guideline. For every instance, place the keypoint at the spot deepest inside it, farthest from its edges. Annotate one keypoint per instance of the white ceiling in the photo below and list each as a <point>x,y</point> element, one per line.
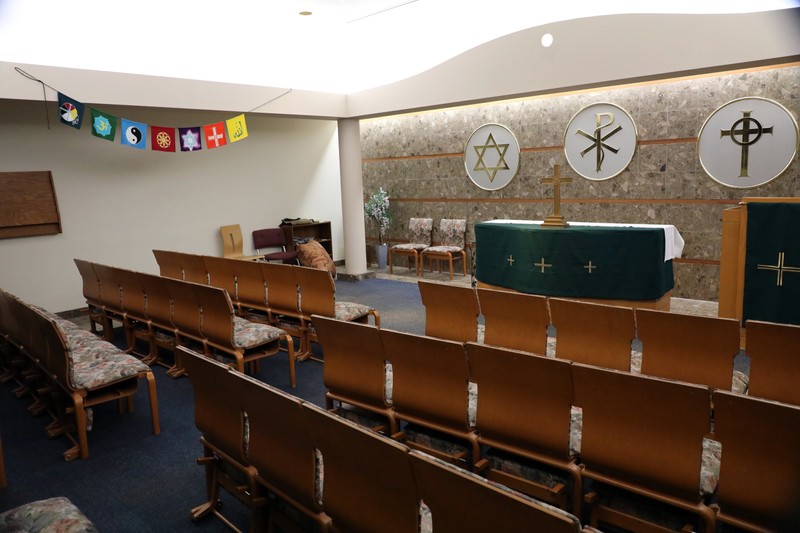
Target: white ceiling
<point>344,46</point>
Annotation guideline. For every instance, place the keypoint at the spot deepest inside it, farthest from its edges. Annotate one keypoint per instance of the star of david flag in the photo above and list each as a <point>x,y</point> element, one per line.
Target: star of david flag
<point>190,139</point>
<point>237,128</point>
<point>134,134</point>
<point>71,111</point>
<point>104,125</point>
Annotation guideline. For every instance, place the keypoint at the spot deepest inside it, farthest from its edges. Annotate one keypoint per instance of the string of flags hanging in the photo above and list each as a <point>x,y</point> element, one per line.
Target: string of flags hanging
<point>162,138</point>
<point>135,134</point>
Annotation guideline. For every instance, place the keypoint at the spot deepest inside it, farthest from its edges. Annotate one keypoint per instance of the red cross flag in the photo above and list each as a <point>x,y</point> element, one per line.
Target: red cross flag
<point>214,134</point>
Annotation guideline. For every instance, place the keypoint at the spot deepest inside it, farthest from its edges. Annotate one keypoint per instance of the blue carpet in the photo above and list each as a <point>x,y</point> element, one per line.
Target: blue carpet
<point>134,481</point>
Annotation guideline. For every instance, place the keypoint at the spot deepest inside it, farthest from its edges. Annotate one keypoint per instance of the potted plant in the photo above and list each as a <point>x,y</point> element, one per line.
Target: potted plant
<point>377,209</point>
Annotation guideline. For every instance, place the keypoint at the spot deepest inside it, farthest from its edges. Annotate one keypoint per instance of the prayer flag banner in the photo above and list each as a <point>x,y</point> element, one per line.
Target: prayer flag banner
<point>104,125</point>
<point>71,111</point>
<point>215,135</point>
<point>134,134</point>
<point>190,139</point>
<point>237,128</point>
<point>162,139</point>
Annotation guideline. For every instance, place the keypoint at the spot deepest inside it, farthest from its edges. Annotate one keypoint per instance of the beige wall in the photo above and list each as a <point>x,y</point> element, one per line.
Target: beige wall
<point>117,204</point>
<point>418,159</point>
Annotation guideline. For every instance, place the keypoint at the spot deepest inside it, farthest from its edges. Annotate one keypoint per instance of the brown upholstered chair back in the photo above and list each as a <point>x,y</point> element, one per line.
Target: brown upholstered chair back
<point>594,334</point>
<point>368,482</point>
<point>159,304</point>
<point>430,379</point>
<point>514,320</point>
<point>509,384</point>
<point>316,291</point>
<point>111,291</point>
<point>91,283</point>
<point>642,431</point>
<point>186,312</point>
<point>280,446</point>
<point>759,479</point>
<point>774,351</point>
<point>133,296</point>
<point>217,406</point>
<point>169,263</point>
<point>481,505</point>
<point>451,311</point>
<point>695,349</point>
<point>281,286</point>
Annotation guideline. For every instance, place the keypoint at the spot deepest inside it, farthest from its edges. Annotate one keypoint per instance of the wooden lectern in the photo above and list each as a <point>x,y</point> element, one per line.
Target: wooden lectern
<point>732,260</point>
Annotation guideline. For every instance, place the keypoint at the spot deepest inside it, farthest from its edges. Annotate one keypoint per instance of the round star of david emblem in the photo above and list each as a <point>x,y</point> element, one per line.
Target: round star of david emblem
<point>600,141</point>
<point>491,157</point>
<point>747,142</point>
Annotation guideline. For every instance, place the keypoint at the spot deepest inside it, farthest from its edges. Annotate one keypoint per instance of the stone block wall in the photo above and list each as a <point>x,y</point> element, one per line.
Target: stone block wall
<point>418,159</point>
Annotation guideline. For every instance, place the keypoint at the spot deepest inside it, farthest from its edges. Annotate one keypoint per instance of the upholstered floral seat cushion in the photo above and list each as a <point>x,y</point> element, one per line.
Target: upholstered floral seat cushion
<point>443,249</point>
<point>54,515</point>
<point>97,363</point>
<point>419,235</point>
<point>350,310</point>
<point>247,334</point>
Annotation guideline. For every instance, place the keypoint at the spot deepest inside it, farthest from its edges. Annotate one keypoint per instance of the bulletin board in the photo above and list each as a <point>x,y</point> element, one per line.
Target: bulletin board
<point>28,205</point>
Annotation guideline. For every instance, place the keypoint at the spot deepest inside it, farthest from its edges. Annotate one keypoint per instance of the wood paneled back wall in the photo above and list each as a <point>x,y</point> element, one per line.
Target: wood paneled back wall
<point>418,159</point>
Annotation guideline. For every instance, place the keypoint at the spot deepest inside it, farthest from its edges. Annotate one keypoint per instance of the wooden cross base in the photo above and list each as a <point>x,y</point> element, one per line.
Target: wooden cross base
<point>555,221</point>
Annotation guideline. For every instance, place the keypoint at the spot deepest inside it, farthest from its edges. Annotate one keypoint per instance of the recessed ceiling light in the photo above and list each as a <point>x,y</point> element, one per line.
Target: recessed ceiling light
<point>305,13</point>
<point>547,40</point>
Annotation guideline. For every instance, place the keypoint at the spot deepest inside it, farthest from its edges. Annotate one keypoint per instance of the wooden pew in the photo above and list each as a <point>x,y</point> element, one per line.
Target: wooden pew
<point>355,370</point>
<point>162,333</point>
<point>451,311</point>
<point>774,351</point>
<point>86,369</point>
<point>594,334</point>
<point>91,291</point>
<point>462,501</point>
<point>430,394</point>
<point>759,482</point>
<point>368,484</point>
<point>281,449</point>
<point>514,320</point>
<point>642,438</point>
<point>169,263</point>
<point>317,297</point>
<point>218,416</point>
<point>690,348</point>
<point>523,415</point>
<point>183,266</point>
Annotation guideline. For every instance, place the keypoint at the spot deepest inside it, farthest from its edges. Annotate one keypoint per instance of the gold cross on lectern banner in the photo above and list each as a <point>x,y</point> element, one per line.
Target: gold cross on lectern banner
<point>556,220</point>
<point>780,268</point>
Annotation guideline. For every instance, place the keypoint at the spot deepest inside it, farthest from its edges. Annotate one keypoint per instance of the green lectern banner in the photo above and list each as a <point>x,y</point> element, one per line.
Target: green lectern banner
<point>772,263</point>
<point>616,263</point>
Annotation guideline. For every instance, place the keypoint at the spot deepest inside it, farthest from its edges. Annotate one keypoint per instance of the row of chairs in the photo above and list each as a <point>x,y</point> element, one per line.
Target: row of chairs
<point>165,313</point>
<point>688,348</point>
<point>452,237</point>
<point>282,295</point>
<point>67,370</point>
<point>641,437</point>
<point>301,468</point>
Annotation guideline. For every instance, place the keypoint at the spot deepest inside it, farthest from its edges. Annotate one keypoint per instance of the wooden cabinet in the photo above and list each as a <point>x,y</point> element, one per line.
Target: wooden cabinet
<point>319,231</point>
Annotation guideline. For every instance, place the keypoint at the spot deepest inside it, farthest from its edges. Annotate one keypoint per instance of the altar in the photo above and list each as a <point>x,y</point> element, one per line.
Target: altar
<point>624,264</point>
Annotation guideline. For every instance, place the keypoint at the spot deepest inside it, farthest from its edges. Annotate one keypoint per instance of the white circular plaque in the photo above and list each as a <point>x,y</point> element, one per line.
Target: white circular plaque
<point>491,157</point>
<point>600,141</point>
<point>747,142</point>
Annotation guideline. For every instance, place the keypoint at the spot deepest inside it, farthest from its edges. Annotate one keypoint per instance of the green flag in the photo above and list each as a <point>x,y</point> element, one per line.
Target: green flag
<point>104,125</point>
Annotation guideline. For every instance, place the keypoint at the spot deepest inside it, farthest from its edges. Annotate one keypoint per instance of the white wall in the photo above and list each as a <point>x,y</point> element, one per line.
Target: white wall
<point>117,204</point>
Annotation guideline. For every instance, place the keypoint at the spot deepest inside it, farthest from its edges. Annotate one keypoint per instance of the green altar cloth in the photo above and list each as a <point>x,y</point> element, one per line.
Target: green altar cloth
<point>612,263</point>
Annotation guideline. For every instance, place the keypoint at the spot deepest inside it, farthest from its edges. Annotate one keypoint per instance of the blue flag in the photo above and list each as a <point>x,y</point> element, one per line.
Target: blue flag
<point>134,134</point>
<point>71,111</point>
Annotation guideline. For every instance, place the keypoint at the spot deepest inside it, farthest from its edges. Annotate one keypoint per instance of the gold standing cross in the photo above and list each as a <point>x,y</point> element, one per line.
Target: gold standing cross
<point>556,220</point>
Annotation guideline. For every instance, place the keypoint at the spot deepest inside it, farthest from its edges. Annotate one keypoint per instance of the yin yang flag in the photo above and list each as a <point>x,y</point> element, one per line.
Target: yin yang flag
<point>134,134</point>
<point>71,111</point>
